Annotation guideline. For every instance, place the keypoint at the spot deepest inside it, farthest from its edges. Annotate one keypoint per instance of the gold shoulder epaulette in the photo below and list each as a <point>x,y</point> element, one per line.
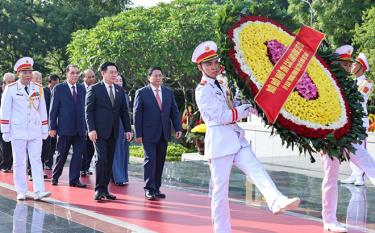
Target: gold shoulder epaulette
<point>11,84</point>
<point>203,82</point>
<point>37,84</point>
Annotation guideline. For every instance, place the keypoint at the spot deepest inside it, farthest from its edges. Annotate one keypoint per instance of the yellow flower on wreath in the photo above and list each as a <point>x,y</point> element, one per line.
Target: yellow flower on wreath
<point>325,109</point>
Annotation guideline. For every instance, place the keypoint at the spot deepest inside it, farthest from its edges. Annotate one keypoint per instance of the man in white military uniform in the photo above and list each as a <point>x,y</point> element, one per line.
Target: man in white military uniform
<point>225,144</point>
<point>24,123</point>
<point>331,165</point>
<point>359,68</point>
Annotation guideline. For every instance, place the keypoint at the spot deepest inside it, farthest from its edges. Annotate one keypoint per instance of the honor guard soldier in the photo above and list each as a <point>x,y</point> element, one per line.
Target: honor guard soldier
<point>24,123</point>
<point>225,144</point>
<point>361,160</point>
<point>359,68</point>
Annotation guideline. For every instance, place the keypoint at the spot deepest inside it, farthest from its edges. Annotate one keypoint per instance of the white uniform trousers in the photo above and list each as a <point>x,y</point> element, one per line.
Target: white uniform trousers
<point>356,215</point>
<point>330,189</point>
<point>363,161</point>
<point>356,171</point>
<point>34,149</point>
<point>220,169</point>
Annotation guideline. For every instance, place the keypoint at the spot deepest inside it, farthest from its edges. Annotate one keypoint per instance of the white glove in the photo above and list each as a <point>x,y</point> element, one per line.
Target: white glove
<point>243,110</point>
<point>7,137</point>
<point>44,136</point>
<point>254,111</point>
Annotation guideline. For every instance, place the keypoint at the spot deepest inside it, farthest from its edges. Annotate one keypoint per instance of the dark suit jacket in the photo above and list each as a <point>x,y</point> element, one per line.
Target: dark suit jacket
<point>47,98</point>
<point>101,116</point>
<point>149,121</point>
<point>66,116</point>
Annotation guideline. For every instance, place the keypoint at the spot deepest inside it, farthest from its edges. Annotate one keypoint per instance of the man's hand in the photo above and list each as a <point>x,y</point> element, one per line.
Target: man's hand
<point>93,136</point>
<point>178,134</point>
<point>44,136</point>
<point>138,140</point>
<point>128,136</point>
<point>52,133</point>
<point>7,137</point>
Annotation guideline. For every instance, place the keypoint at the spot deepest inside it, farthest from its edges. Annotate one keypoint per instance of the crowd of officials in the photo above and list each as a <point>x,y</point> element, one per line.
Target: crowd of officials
<point>89,121</point>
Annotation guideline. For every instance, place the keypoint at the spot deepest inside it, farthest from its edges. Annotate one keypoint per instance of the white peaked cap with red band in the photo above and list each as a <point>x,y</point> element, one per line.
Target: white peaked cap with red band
<point>345,52</point>
<point>363,60</point>
<point>205,51</point>
<point>25,63</point>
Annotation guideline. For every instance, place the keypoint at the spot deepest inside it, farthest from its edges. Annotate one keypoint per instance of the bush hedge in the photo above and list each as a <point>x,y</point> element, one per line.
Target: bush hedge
<point>174,151</point>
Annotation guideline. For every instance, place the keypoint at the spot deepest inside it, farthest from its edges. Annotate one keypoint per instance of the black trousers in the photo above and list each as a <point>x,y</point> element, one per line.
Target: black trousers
<point>51,151</point>
<point>45,150</point>
<point>6,157</point>
<point>153,164</point>
<point>63,145</point>
<point>88,153</point>
<point>105,151</point>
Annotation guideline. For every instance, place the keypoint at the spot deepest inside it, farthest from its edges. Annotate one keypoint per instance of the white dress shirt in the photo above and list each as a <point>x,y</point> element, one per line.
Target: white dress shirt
<point>108,89</point>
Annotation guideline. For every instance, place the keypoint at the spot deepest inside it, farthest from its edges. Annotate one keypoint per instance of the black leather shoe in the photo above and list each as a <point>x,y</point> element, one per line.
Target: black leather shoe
<point>78,185</point>
<point>83,173</point>
<point>98,196</point>
<point>45,176</point>
<point>89,172</point>
<point>158,194</point>
<point>119,184</point>
<point>150,195</point>
<point>5,170</point>
<point>54,182</point>
<point>110,196</point>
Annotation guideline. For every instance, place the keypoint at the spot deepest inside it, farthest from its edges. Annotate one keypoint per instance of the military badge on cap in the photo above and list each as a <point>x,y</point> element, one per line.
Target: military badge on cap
<point>205,51</point>
<point>25,63</point>
<point>362,59</point>
<point>345,52</point>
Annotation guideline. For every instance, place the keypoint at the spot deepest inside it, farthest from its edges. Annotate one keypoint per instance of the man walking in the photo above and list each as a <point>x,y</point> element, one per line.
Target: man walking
<point>105,106</point>
<point>67,120</point>
<point>225,143</point>
<point>88,150</point>
<point>24,123</point>
<point>154,109</point>
<point>53,80</point>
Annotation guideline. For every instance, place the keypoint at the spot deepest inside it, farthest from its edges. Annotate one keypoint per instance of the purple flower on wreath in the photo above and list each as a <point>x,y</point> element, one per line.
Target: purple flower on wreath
<point>305,85</point>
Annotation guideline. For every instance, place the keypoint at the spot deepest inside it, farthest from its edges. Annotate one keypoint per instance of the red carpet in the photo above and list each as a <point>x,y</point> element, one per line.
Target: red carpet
<point>180,212</point>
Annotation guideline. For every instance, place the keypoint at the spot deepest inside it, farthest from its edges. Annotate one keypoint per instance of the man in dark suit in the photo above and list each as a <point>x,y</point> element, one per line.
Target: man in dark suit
<point>105,105</point>
<point>67,120</point>
<point>88,152</point>
<point>154,109</point>
<point>49,145</point>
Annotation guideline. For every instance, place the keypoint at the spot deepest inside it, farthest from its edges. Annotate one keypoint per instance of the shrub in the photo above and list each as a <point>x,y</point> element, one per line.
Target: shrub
<point>174,151</point>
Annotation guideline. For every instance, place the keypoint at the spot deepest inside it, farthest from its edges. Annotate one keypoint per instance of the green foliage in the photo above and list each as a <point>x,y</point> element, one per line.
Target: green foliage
<point>333,147</point>
<point>174,151</point>
<point>165,35</point>
<point>42,29</point>
<point>337,18</point>
<point>364,38</point>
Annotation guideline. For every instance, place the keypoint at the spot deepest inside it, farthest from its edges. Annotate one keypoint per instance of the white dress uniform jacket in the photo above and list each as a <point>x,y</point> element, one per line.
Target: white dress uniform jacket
<point>359,80</point>
<point>223,135</point>
<point>22,114</point>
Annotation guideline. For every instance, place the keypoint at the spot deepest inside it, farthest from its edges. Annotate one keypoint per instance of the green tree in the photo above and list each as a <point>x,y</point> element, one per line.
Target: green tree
<point>364,38</point>
<point>42,28</point>
<point>337,18</point>
<point>164,35</point>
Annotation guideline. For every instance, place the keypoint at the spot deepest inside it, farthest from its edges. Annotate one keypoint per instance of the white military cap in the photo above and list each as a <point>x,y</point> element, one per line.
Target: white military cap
<point>25,63</point>
<point>345,52</point>
<point>363,60</point>
<point>205,51</point>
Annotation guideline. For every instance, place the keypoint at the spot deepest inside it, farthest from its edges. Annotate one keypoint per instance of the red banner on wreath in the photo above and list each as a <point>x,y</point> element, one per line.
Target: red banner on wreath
<point>287,71</point>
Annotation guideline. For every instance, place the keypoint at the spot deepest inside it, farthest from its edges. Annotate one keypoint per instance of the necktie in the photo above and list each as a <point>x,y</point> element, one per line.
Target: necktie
<point>27,90</point>
<point>74,94</point>
<point>218,85</point>
<point>157,96</point>
<point>111,96</point>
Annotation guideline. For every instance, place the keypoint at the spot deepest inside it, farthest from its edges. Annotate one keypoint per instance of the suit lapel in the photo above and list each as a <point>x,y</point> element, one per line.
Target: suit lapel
<point>68,92</point>
<point>104,89</point>
<point>152,96</point>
